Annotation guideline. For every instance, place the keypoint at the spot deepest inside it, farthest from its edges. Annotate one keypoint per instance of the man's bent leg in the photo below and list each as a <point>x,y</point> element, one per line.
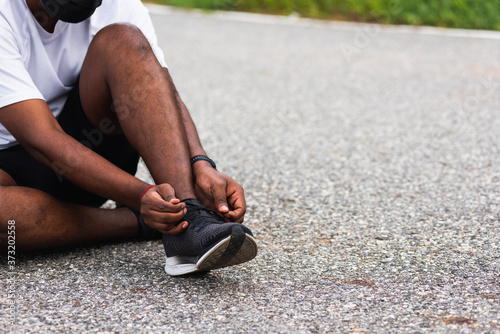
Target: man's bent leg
<point>41,221</point>
<point>121,69</point>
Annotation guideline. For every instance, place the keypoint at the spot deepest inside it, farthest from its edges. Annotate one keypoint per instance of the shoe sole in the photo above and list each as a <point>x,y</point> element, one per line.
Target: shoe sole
<point>238,248</point>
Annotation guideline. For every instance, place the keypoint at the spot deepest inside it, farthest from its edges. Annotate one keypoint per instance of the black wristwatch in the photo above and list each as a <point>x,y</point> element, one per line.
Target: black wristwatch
<point>203,157</point>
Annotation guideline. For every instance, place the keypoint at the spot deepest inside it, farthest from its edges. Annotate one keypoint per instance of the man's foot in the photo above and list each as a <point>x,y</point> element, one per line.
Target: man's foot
<point>207,243</point>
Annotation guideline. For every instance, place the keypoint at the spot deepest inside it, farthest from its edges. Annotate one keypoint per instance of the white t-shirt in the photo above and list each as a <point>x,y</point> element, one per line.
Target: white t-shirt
<point>35,64</point>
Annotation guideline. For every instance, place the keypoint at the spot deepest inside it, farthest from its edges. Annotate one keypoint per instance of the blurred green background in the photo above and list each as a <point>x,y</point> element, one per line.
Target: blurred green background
<point>468,14</point>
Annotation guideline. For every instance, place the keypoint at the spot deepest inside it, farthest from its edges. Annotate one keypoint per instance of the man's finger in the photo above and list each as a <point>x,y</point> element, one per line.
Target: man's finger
<point>168,217</point>
<point>238,206</point>
<point>173,230</point>
<point>236,216</point>
<point>220,199</point>
<point>162,206</point>
<point>166,192</point>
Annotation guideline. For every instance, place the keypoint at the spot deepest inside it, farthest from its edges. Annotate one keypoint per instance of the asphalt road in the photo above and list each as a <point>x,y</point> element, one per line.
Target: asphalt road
<point>370,159</point>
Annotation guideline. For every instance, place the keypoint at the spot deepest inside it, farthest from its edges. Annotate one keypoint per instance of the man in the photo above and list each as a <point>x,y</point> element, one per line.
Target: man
<point>84,91</point>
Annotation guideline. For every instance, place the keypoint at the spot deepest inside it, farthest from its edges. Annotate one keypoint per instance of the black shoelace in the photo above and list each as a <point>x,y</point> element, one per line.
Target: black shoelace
<point>199,216</point>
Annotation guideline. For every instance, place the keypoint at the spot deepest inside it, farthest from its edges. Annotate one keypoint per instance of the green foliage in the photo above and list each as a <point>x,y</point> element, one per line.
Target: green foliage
<point>471,14</point>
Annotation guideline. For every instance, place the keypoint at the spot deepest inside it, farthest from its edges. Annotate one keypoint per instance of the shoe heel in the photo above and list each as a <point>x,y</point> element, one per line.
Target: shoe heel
<point>239,247</point>
<point>235,243</point>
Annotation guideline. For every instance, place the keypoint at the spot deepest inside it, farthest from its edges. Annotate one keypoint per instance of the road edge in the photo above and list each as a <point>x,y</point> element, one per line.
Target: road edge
<point>294,20</point>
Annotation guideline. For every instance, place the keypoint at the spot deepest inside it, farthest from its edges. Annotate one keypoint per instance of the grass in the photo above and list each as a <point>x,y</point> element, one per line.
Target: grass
<point>467,14</point>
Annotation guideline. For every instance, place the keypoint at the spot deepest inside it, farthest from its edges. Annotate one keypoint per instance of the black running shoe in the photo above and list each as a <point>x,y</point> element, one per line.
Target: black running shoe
<point>207,243</point>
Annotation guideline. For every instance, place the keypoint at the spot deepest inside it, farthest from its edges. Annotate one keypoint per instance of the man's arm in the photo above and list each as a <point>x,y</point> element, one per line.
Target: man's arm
<point>193,139</point>
<point>32,123</point>
<point>214,189</point>
<point>34,126</point>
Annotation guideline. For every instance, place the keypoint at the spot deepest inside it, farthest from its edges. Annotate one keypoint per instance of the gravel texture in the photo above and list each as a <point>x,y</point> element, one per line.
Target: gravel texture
<point>370,160</point>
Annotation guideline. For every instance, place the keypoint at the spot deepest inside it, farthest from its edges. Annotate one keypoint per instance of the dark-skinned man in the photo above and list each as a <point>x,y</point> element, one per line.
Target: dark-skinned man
<point>85,92</point>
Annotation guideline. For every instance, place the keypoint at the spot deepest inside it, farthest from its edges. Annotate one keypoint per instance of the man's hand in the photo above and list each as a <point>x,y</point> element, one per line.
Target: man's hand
<point>162,211</point>
<point>220,192</point>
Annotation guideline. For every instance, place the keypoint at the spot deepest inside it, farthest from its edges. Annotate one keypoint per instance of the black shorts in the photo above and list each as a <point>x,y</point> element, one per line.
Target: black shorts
<point>27,172</point>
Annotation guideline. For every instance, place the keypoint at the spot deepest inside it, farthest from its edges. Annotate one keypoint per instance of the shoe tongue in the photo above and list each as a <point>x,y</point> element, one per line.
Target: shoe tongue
<point>196,208</point>
<point>191,200</point>
<point>193,203</point>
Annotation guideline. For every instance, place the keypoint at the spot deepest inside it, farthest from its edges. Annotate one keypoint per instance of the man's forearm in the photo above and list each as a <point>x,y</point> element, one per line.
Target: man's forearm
<point>88,170</point>
<point>194,143</point>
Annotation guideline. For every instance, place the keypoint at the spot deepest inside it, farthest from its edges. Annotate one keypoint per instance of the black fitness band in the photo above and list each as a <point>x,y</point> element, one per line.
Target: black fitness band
<point>203,157</point>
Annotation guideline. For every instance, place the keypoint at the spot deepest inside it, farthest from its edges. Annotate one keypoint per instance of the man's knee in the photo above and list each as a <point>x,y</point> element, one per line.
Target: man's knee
<point>121,36</point>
